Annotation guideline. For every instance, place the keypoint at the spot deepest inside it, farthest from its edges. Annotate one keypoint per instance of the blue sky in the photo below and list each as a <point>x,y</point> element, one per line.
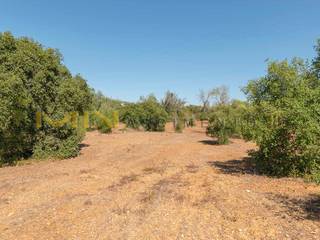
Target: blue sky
<point>129,48</point>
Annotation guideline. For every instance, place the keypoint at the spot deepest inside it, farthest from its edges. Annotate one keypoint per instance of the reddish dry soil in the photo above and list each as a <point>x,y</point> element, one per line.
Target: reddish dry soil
<point>138,185</point>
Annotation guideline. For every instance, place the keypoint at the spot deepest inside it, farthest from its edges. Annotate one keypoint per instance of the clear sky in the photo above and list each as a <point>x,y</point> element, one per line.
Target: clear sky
<point>129,48</point>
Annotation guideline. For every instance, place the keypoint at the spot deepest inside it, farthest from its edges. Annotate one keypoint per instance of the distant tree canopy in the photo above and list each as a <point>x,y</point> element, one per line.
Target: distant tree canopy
<point>33,79</point>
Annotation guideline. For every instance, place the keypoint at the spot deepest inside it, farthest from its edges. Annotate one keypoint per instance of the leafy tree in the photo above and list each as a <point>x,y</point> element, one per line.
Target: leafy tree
<point>154,116</point>
<point>285,106</point>
<point>147,113</point>
<point>131,115</point>
<point>33,79</point>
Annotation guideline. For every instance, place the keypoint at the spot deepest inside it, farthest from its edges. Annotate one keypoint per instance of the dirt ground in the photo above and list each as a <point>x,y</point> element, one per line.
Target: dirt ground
<point>138,185</point>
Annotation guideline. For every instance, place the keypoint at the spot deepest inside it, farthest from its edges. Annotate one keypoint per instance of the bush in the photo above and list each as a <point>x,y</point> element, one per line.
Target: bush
<point>53,147</point>
<point>131,115</point>
<point>115,118</point>
<point>104,125</point>
<point>226,121</point>
<point>32,80</point>
<point>285,106</point>
<point>101,122</point>
<point>148,113</point>
<point>154,116</point>
<point>220,126</point>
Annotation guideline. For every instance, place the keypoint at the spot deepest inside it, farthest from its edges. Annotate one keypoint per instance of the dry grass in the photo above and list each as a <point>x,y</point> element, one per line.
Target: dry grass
<point>139,185</point>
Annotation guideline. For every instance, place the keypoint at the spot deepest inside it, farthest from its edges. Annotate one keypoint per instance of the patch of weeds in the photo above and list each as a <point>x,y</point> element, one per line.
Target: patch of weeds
<point>165,188</point>
<point>124,181</point>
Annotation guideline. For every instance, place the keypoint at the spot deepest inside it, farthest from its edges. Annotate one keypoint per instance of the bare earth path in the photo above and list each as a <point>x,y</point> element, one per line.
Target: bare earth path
<point>140,185</point>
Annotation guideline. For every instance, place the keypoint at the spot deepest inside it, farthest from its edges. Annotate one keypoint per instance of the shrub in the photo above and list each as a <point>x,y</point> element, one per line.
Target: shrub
<point>51,146</point>
<point>33,79</point>
<point>220,126</point>
<point>154,116</point>
<point>104,125</point>
<point>226,121</point>
<point>285,106</point>
<point>131,115</point>
<point>115,118</point>
<point>148,113</point>
<point>101,122</point>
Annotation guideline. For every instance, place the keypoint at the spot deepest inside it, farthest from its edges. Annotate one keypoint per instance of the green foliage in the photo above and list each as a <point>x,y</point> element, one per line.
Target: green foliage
<point>285,107</point>
<point>147,113</point>
<point>131,115</point>
<point>226,121</point>
<point>115,118</point>
<point>49,146</point>
<point>154,116</point>
<point>32,79</point>
<point>203,116</point>
<point>103,123</point>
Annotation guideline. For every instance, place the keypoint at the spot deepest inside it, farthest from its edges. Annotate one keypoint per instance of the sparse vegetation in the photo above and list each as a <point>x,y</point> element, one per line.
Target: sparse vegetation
<point>44,110</point>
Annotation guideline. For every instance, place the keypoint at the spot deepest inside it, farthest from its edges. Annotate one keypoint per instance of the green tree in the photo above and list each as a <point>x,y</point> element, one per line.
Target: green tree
<point>285,107</point>
<point>34,79</point>
<point>154,115</point>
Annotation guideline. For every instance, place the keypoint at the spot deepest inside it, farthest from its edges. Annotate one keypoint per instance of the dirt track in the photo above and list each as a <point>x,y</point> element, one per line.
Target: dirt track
<point>140,185</point>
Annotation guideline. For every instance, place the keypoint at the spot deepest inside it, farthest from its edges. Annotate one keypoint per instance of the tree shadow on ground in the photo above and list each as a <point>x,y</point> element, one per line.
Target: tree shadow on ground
<point>83,145</point>
<point>299,208</point>
<point>240,166</point>
<point>209,142</point>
